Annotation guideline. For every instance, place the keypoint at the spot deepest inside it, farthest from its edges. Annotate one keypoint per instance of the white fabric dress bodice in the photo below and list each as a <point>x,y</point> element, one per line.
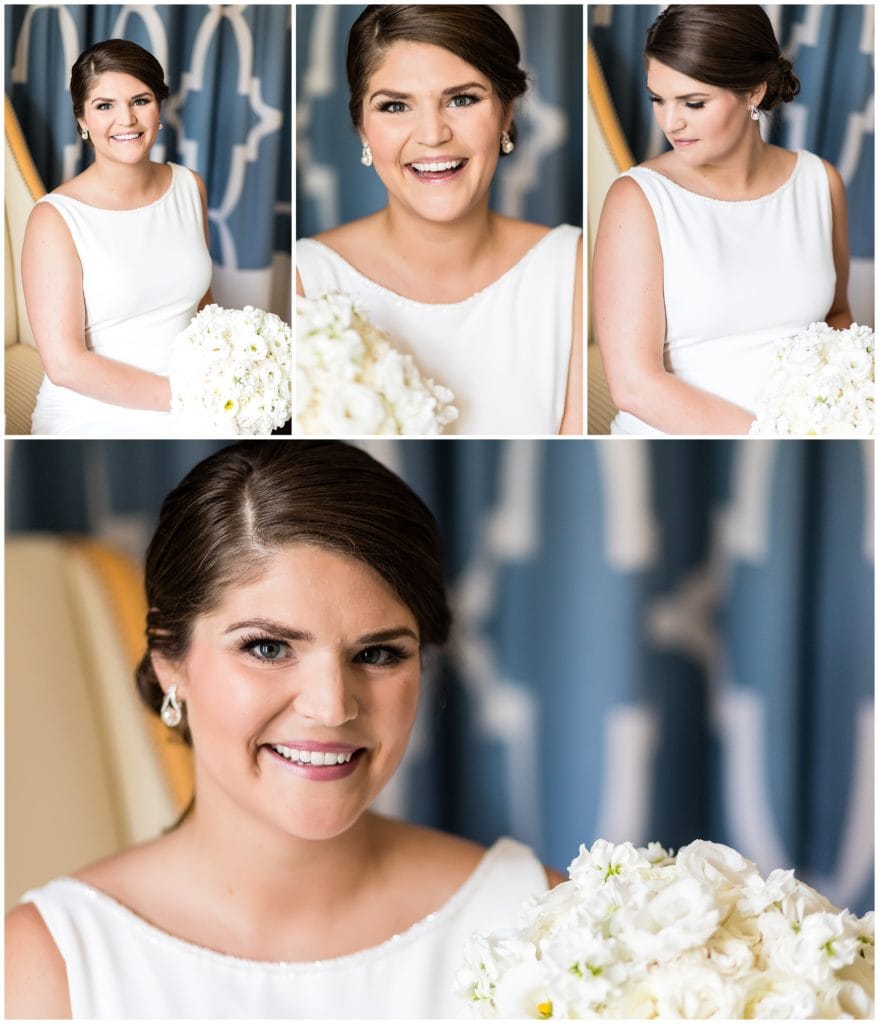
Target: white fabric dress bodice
<point>504,352</point>
<point>144,271</point>
<point>120,966</point>
<point>737,276</point>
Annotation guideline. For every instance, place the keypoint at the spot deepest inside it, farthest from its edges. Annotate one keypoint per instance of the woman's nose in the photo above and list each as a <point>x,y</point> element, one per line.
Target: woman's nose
<point>326,696</point>
<point>674,118</point>
<point>433,128</point>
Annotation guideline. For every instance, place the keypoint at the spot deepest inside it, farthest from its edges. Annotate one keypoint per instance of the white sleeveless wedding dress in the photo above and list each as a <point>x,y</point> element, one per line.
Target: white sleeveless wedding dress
<point>144,272</point>
<point>121,966</point>
<point>504,352</point>
<point>737,276</point>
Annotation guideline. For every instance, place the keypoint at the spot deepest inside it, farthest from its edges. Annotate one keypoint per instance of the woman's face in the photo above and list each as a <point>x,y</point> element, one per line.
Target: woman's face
<point>122,116</point>
<point>434,125</point>
<point>301,690</point>
<point>703,123</point>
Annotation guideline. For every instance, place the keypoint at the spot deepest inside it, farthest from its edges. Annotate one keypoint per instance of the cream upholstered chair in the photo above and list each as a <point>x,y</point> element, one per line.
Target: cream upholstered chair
<point>608,156</point>
<point>88,769</point>
<point>24,371</point>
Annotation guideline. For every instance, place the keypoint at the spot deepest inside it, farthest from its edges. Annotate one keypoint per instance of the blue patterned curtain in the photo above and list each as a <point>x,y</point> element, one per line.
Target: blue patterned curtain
<point>832,49</point>
<point>227,118</point>
<point>654,640</point>
<point>542,181</point>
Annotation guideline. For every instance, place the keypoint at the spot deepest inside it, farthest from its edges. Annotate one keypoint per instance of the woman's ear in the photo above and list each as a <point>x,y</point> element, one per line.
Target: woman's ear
<point>756,95</point>
<point>169,673</point>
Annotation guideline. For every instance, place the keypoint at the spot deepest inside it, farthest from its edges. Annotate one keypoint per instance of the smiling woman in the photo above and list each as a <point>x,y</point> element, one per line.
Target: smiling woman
<point>292,590</point>
<point>487,305</point>
<point>115,261</point>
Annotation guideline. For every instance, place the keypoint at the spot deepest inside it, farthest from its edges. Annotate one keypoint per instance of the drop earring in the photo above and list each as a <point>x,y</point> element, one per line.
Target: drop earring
<point>754,112</point>
<point>507,144</point>
<point>366,155</point>
<point>84,132</point>
<point>171,711</point>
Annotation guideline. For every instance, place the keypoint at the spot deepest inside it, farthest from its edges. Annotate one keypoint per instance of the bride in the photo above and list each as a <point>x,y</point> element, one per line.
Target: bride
<point>709,253</point>
<point>115,261</point>
<point>487,305</point>
<point>287,621</point>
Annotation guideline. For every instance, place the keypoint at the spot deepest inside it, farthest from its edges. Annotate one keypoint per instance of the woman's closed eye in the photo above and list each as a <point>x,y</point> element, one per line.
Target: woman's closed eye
<point>690,104</point>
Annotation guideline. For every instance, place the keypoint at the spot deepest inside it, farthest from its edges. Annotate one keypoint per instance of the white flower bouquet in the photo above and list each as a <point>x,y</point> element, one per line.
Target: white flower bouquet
<point>821,385</point>
<point>231,371</point>
<point>351,380</point>
<point>639,933</point>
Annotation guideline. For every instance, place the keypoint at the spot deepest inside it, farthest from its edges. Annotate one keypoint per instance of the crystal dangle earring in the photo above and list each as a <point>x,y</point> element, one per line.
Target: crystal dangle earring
<point>84,132</point>
<point>366,155</point>
<point>754,112</point>
<point>507,144</point>
<point>171,712</point>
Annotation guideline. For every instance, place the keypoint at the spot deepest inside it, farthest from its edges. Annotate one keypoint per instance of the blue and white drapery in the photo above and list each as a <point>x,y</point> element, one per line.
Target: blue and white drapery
<point>654,640</point>
<point>229,69</point>
<point>832,50</point>
<point>541,181</point>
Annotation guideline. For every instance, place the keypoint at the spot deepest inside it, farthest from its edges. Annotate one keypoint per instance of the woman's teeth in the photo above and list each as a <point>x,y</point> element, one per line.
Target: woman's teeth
<point>436,168</point>
<point>130,137</point>
<point>319,758</point>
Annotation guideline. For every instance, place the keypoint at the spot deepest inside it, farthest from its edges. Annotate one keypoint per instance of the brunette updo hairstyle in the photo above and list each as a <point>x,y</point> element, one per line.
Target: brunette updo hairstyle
<point>476,33</point>
<point>222,523</point>
<point>731,47</point>
<point>114,55</point>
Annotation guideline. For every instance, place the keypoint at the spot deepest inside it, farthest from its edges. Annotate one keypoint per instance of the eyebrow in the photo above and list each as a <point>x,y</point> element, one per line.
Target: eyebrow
<point>686,96</point>
<point>283,632</point>
<point>110,99</point>
<point>391,94</point>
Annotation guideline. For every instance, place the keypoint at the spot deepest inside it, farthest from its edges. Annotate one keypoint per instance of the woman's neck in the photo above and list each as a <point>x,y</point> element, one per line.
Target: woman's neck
<point>128,184</point>
<point>440,248</point>
<point>736,174</point>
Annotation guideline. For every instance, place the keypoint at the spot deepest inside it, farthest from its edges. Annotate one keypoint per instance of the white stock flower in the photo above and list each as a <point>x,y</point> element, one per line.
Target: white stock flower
<point>822,385</point>
<point>638,934</point>
<point>230,371</point>
<point>336,346</point>
<point>772,996</point>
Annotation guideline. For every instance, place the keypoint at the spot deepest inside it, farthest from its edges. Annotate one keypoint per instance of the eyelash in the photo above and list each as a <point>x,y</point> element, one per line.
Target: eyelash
<point>386,106</point>
<point>138,102</point>
<point>696,105</point>
<point>391,654</point>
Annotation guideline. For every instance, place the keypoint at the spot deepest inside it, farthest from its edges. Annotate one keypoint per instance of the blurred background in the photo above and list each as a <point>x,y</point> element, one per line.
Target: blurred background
<point>228,117</point>
<point>541,181</point>
<point>654,641</point>
<point>832,50</point>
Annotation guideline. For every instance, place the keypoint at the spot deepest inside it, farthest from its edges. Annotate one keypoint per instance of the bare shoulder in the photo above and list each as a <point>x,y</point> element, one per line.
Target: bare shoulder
<point>518,236</point>
<point>435,852</point>
<point>627,216</point>
<point>200,182</point>
<point>554,877</point>
<point>352,239</point>
<point>36,978</point>
<point>834,180</point>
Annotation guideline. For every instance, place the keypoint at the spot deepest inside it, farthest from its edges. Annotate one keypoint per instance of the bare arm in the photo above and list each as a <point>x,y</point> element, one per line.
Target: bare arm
<point>630,325</point>
<point>36,978</point>
<point>839,315</point>
<point>52,279</point>
<point>553,877</point>
<point>207,298</point>
<point>572,420</point>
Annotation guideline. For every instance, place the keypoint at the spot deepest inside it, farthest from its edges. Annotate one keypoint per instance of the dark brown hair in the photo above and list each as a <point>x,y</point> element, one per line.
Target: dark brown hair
<point>222,522</point>
<point>474,32</point>
<point>114,55</point>
<point>731,47</point>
